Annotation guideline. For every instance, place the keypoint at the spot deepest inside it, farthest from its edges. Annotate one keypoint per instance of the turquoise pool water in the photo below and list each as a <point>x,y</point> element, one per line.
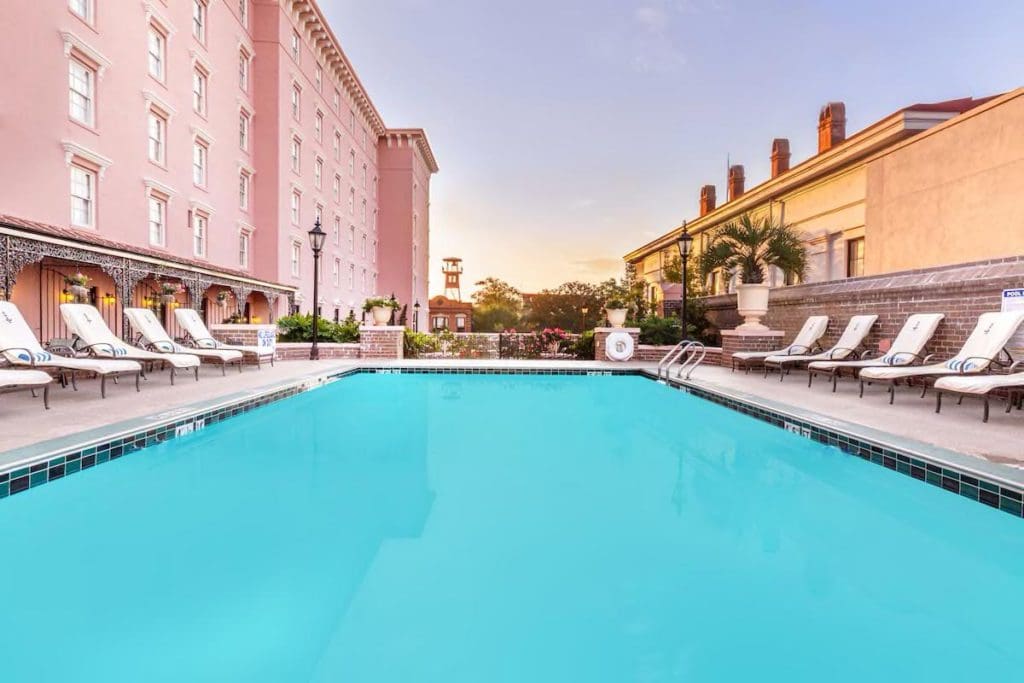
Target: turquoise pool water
<point>405,528</point>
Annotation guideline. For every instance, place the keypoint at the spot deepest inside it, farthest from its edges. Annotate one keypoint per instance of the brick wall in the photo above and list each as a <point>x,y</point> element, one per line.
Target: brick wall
<point>326,350</point>
<point>381,342</point>
<point>961,292</point>
<point>649,353</point>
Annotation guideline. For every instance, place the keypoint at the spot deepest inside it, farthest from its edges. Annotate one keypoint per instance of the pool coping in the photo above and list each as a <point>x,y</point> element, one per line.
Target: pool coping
<point>988,483</point>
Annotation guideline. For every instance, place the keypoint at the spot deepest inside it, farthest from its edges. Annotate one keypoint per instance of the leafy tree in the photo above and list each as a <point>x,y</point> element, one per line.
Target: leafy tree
<point>497,306</point>
<point>575,306</point>
<point>749,245</point>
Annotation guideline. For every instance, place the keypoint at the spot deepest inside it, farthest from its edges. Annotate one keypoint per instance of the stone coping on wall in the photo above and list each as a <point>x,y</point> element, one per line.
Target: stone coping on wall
<point>964,275</point>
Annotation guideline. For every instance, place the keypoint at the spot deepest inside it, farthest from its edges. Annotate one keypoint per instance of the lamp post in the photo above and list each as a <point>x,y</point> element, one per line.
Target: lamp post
<point>416,316</point>
<point>685,243</point>
<point>316,241</point>
<point>583,318</point>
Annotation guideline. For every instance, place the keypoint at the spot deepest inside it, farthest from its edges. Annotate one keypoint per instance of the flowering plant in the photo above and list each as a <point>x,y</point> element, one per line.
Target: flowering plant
<point>167,288</point>
<point>552,335</point>
<point>77,280</point>
<point>222,296</point>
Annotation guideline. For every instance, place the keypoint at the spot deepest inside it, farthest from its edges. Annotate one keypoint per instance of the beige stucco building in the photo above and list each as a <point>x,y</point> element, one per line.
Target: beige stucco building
<point>930,185</point>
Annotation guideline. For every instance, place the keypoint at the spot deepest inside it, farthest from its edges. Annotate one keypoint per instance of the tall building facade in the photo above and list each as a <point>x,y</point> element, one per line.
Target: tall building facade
<point>197,142</point>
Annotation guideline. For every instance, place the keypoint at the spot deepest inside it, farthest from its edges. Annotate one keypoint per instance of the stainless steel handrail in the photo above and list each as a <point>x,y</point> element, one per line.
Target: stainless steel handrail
<point>672,356</point>
<point>693,360</point>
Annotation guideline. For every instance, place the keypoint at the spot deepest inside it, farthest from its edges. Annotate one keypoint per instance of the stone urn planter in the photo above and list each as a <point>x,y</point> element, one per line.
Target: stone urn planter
<point>616,316</point>
<point>752,304</point>
<point>381,315</point>
<point>167,298</point>
<point>80,291</point>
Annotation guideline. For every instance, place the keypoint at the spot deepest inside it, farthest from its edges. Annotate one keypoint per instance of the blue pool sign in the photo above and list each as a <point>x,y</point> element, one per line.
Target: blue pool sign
<point>266,338</point>
<point>1013,300</point>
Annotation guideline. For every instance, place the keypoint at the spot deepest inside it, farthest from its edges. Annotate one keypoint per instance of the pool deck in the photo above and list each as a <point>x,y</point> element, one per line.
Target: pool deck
<point>82,415</point>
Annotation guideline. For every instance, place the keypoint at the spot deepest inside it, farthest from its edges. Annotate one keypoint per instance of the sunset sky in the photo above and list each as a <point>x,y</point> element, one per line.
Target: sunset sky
<point>571,131</point>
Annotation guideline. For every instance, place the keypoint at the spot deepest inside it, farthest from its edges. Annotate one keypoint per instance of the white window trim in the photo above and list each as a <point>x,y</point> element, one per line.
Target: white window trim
<point>155,186</point>
<point>74,150</point>
<point>199,133</point>
<point>153,15</point>
<point>74,43</point>
<point>200,61</point>
<point>154,101</point>
<point>201,206</point>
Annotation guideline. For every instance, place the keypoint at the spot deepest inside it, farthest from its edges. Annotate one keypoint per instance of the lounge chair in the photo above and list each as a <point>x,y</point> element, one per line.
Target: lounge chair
<point>981,350</point>
<point>156,339</point>
<point>906,349</point>
<point>982,386</point>
<point>20,348</point>
<point>86,322</point>
<point>813,329</point>
<point>26,380</point>
<point>194,326</point>
<point>849,341</point>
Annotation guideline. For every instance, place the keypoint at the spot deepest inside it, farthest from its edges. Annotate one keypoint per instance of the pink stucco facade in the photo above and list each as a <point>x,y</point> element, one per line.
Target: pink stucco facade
<point>113,105</point>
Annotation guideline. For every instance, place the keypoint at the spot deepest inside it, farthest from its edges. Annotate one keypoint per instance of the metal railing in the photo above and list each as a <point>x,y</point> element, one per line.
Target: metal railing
<point>689,354</point>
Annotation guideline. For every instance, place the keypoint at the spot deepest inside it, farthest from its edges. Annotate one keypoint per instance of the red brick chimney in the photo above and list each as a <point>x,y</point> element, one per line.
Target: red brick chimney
<point>831,126</point>
<point>735,181</point>
<point>780,156</point>
<point>707,199</point>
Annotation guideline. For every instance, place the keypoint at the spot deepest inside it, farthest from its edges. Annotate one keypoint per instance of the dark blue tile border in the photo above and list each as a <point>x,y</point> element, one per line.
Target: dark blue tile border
<point>991,493</point>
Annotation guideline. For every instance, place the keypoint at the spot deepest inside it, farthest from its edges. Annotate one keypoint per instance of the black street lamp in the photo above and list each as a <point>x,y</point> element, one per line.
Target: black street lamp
<point>685,243</point>
<point>316,241</point>
<point>416,316</point>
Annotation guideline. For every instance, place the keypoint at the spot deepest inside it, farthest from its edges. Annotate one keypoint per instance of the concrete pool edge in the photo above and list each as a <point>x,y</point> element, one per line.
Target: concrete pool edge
<point>991,484</point>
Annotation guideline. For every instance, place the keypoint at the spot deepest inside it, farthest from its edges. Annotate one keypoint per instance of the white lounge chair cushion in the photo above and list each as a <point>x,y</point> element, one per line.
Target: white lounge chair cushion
<point>144,321</point>
<point>987,340</point>
<point>85,321</point>
<point>189,319</point>
<point>814,327</point>
<point>15,334</point>
<point>905,349</point>
<point>15,378</point>
<point>850,339</point>
<point>979,384</point>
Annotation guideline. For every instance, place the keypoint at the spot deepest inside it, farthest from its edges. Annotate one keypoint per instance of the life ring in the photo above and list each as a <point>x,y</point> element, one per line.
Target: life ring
<point>619,346</point>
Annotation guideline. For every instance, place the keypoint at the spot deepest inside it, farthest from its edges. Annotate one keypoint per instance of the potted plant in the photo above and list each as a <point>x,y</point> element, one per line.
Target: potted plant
<point>168,292</point>
<point>551,338</point>
<point>78,284</point>
<point>222,296</point>
<point>747,246</point>
<point>381,309</point>
<point>616,309</point>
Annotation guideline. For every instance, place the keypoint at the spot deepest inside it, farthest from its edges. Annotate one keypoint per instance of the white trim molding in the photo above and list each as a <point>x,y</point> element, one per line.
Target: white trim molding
<point>199,205</point>
<point>73,42</point>
<point>155,101</point>
<point>153,15</point>
<point>202,133</point>
<point>153,184</point>
<point>73,149</point>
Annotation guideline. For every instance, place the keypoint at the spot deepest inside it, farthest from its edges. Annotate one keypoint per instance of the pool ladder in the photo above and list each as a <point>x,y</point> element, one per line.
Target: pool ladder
<point>689,354</point>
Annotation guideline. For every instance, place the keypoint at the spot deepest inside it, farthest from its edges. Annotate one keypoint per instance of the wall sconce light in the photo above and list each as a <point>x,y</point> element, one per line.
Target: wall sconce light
<point>109,299</point>
<point>147,302</point>
<point>66,297</point>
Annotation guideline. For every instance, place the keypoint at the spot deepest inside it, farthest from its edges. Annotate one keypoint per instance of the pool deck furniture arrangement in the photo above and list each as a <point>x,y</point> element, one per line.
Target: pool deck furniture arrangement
<point>849,342</point>
<point>193,324</point>
<point>144,321</point>
<point>20,348</point>
<point>87,323</point>
<point>804,342</point>
<point>983,348</point>
<point>982,387</point>
<point>906,349</point>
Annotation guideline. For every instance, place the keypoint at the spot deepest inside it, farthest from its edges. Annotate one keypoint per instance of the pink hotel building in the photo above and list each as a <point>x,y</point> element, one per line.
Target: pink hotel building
<point>195,142</point>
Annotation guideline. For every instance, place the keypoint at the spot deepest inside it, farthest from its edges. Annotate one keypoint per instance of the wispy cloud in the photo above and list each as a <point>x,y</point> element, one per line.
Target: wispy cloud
<point>598,268</point>
<point>655,48</point>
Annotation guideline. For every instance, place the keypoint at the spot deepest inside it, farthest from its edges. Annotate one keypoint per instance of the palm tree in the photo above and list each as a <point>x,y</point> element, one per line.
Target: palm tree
<point>748,245</point>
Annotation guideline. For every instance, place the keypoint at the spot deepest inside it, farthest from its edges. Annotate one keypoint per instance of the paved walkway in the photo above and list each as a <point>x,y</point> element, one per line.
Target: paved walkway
<point>958,428</point>
<point>24,421</point>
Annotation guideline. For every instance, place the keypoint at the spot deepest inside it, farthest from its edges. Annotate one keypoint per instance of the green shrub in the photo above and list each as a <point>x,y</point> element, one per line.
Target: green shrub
<point>417,343</point>
<point>299,328</point>
<point>660,331</point>
<point>584,346</point>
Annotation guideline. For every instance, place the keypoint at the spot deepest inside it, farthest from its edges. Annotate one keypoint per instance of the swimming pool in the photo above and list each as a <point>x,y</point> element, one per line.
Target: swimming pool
<point>503,528</point>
